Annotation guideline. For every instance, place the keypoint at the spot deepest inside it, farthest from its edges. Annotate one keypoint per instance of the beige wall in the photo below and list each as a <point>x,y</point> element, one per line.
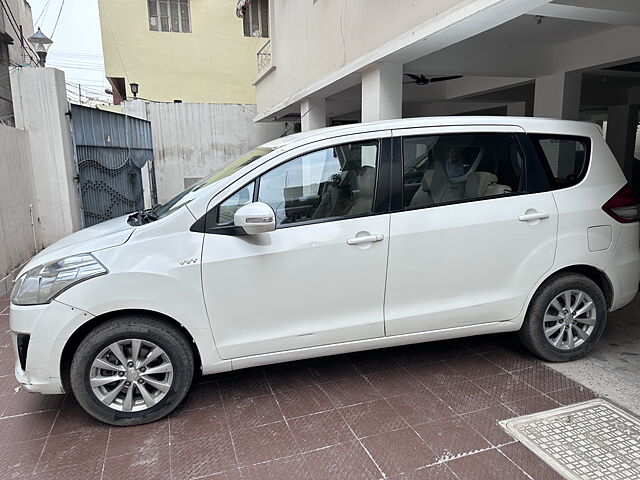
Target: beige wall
<point>214,63</point>
<point>313,39</point>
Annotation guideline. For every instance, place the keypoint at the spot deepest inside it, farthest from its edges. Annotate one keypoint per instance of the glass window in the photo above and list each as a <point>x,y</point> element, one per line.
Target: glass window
<point>565,156</point>
<point>334,182</point>
<point>169,15</point>
<point>448,168</point>
<point>256,19</point>
<point>230,206</point>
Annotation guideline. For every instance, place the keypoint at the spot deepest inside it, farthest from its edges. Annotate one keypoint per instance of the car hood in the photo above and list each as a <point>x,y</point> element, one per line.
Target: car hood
<point>98,237</point>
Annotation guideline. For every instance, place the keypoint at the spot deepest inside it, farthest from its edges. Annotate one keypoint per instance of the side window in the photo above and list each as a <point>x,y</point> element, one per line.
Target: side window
<point>333,182</point>
<point>228,208</point>
<point>566,157</point>
<point>448,168</point>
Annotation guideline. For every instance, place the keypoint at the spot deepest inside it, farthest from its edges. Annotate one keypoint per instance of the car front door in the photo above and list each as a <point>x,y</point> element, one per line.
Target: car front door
<point>474,232</point>
<point>319,278</point>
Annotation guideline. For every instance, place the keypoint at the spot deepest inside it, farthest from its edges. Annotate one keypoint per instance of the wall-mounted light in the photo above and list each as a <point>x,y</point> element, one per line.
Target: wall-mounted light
<point>539,19</point>
<point>134,89</point>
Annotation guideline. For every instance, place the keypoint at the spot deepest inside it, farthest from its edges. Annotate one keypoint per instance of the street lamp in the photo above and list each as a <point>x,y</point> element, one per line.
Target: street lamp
<point>134,89</point>
<point>42,44</point>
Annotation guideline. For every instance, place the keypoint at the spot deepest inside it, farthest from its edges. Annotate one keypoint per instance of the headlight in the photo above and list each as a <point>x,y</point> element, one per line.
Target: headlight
<point>43,283</point>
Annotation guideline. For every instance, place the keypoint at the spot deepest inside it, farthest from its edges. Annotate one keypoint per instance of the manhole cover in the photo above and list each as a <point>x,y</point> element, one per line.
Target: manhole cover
<point>590,440</point>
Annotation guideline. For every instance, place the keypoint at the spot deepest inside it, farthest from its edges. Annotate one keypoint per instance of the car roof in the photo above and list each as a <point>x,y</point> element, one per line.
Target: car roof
<point>529,124</point>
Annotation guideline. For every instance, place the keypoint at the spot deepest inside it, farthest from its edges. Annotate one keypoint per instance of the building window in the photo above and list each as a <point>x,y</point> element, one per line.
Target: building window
<point>256,19</point>
<point>169,16</point>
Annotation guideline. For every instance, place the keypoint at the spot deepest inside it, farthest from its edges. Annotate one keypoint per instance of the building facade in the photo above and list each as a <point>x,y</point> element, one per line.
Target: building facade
<point>193,51</point>
<point>341,61</point>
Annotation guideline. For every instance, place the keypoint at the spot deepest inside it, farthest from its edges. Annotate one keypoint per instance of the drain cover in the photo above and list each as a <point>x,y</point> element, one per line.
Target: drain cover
<point>585,441</point>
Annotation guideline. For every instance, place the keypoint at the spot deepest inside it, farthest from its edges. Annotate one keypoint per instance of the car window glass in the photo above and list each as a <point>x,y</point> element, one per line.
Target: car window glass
<point>566,157</point>
<point>230,206</point>
<point>333,182</point>
<point>447,168</point>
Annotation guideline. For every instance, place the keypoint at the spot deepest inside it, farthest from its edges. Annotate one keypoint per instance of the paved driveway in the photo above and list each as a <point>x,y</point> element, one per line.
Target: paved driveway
<point>426,412</point>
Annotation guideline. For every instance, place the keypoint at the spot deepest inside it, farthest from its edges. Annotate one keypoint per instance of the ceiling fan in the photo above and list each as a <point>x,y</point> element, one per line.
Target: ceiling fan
<point>423,80</point>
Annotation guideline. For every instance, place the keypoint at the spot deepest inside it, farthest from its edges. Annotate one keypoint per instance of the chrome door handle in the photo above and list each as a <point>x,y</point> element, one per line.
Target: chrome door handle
<point>533,216</point>
<point>378,237</point>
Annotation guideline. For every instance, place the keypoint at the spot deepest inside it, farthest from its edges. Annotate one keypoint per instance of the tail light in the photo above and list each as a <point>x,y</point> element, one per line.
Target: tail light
<point>623,206</point>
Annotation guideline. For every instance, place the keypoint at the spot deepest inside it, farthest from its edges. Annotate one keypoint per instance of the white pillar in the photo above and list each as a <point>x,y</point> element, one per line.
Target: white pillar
<point>313,113</point>
<point>40,105</point>
<point>517,109</point>
<point>622,125</point>
<point>382,92</point>
<point>558,96</point>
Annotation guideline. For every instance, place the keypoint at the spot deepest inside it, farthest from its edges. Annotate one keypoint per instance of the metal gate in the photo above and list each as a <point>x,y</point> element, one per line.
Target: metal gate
<point>111,150</point>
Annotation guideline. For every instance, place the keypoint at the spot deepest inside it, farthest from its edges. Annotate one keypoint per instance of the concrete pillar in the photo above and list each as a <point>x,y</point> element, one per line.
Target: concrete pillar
<point>313,114</point>
<point>40,106</point>
<point>382,92</point>
<point>622,125</point>
<point>558,96</point>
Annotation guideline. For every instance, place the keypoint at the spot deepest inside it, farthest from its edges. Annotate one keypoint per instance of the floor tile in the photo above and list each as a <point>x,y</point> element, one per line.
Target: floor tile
<point>91,470</point>
<point>465,397</point>
<point>489,465</point>
<point>20,459</point>
<point>571,395</point>
<point>24,402</point>
<point>187,425</point>
<point>419,354</point>
<point>531,405</point>
<point>451,437</point>
<point>283,379</point>
<point>332,368</point>
<point>261,444</point>
<point>347,461</point>
<point>510,360</point>
<point>26,427</point>
<point>238,388</point>
<point>529,462</point>
<point>72,448</point>
<point>291,467</point>
<point>394,382</point>
<point>231,474</point>
<point>370,418</point>
<point>129,440</point>
<point>350,391</point>
<point>201,457</point>
<point>72,418</point>
<point>373,361</point>
<point>150,463</point>
<point>506,387</point>
<point>320,430</point>
<point>303,401</point>
<point>474,366</point>
<point>436,472</point>
<point>486,421</point>
<point>202,395</point>
<point>252,412</point>
<point>545,379</point>
<point>420,407</point>
<point>399,451</point>
<point>433,375</point>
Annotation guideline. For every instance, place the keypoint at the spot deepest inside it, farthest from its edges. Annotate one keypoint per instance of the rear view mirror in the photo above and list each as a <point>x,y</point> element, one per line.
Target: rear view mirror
<point>256,217</point>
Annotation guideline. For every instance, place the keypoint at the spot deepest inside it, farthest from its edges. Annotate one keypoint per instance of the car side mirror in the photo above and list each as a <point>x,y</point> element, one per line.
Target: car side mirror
<point>256,217</point>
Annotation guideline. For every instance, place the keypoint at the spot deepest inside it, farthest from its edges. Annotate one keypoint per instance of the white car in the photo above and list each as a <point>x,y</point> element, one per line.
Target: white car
<point>331,241</point>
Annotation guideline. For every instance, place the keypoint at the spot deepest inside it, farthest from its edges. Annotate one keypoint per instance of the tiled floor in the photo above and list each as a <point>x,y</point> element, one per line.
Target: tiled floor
<point>420,412</point>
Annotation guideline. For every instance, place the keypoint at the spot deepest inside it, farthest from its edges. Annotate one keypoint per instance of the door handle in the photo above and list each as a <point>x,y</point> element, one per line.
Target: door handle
<point>533,216</point>
<point>378,237</point>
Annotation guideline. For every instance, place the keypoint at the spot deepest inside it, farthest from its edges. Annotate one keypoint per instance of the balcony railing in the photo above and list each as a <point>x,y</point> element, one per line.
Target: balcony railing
<point>264,58</point>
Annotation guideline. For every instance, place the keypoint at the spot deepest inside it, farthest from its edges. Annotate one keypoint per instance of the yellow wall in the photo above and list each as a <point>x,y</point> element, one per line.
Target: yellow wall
<point>214,63</point>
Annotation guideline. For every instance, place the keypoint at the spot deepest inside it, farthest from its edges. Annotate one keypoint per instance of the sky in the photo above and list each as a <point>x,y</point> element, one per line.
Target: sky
<point>77,44</point>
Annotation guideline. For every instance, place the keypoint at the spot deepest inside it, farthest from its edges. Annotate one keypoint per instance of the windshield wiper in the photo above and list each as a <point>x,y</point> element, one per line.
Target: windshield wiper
<point>142,217</point>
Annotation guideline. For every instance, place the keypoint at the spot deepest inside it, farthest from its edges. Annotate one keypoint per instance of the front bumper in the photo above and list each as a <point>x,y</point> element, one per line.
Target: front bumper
<point>48,327</point>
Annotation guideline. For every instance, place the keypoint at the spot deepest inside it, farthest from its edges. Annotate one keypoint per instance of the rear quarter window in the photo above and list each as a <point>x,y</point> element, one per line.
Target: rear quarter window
<point>566,159</point>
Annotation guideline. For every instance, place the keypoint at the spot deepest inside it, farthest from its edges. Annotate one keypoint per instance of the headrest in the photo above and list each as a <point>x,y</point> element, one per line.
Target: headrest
<point>366,180</point>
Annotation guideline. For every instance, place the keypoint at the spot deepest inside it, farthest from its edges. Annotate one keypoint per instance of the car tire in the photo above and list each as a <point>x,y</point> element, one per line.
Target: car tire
<point>166,378</point>
<point>548,324</point>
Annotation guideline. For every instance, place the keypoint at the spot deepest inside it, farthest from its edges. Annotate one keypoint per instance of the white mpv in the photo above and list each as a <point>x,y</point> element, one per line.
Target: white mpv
<point>331,241</point>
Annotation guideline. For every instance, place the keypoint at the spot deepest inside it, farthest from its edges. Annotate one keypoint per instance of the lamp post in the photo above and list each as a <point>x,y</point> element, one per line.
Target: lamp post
<point>42,44</point>
<point>134,89</point>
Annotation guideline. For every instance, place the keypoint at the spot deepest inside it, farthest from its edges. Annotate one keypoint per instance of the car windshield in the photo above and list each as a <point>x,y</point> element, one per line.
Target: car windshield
<point>196,189</point>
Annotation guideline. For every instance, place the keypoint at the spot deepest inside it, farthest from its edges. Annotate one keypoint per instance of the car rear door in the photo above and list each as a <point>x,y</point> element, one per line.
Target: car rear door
<point>465,250</point>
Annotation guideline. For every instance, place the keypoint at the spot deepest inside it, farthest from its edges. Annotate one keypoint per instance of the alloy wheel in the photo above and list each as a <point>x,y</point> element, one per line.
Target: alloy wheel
<point>569,319</point>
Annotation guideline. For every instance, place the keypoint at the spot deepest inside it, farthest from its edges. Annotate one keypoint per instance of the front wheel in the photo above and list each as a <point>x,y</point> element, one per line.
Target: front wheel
<point>565,319</point>
<point>132,370</point>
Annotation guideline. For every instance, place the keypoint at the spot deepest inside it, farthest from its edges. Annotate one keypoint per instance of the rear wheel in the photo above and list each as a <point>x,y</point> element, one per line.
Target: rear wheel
<point>132,370</point>
<point>565,319</point>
